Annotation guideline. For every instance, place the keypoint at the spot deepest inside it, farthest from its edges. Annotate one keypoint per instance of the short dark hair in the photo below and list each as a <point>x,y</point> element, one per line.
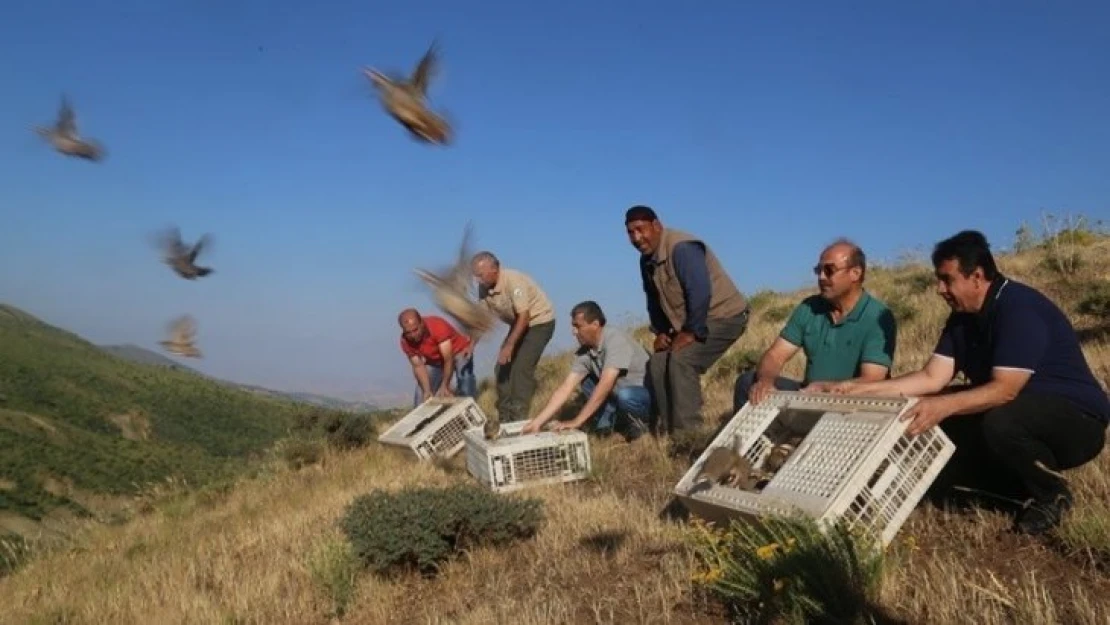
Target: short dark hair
<point>971,249</point>
<point>589,310</point>
<point>640,213</point>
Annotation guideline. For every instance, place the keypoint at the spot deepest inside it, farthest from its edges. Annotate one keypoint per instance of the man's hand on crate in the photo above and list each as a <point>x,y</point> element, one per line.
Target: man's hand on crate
<point>926,413</point>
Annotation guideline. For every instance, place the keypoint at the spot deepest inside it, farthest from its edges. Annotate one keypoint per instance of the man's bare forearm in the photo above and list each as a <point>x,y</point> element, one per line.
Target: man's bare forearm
<point>520,325</point>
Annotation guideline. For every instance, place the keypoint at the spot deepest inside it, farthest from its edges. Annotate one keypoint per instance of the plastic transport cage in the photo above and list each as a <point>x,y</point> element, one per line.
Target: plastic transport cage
<point>516,460</point>
<point>435,427</point>
<point>854,462</point>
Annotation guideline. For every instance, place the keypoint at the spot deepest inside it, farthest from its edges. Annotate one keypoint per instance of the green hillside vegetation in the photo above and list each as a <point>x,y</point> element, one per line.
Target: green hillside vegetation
<point>76,421</point>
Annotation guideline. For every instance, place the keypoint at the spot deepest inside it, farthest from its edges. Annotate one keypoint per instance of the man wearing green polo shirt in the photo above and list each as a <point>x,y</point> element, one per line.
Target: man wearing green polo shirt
<point>845,332</point>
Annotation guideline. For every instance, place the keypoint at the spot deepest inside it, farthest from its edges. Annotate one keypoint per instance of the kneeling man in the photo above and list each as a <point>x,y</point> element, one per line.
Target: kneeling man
<point>845,332</point>
<point>1032,408</point>
<point>610,367</point>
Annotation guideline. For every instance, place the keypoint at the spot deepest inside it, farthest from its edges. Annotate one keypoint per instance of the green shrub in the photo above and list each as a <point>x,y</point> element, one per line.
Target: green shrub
<point>760,299</point>
<point>332,422</point>
<point>308,420</point>
<point>1096,302</point>
<point>920,281</point>
<point>334,569</point>
<point>902,310</point>
<point>420,528</point>
<point>299,452</point>
<point>733,363</point>
<point>356,430</point>
<point>788,570</point>
<point>777,314</point>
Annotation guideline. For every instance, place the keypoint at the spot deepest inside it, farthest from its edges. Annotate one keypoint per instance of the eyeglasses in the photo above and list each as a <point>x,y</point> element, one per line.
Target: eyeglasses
<point>828,269</point>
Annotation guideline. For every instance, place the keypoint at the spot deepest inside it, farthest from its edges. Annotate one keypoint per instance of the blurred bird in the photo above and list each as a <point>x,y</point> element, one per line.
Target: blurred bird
<point>180,257</point>
<point>725,465</point>
<point>450,288</point>
<point>182,331</point>
<point>406,100</point>
<point>492,429</point>
<point>65,138</point>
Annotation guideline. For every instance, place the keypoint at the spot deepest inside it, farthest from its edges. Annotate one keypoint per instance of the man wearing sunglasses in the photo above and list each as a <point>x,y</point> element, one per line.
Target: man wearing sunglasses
<point>696,314</point>
<point>844,331</point>
<point>1032,408</point>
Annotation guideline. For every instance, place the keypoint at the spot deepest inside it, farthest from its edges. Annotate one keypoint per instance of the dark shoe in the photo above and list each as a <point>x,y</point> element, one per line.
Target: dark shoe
<point>632,428</point>
<point>1041,517</point>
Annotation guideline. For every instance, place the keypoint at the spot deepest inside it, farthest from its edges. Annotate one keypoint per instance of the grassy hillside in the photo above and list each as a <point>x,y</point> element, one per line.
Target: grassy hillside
<point>606,554</point>
<point>76,421</point>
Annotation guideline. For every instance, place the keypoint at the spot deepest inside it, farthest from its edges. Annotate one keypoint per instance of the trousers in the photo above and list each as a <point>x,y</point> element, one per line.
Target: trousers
<point>630,405</point>
<point>466,385</point>
<point>998,450</point>
<point>676,376</point>
<point>516,380</point>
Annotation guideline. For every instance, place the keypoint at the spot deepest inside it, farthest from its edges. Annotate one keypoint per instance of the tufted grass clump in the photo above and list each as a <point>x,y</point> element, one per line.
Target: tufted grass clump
<point>420,528</point>
<point>787,570</point>
<point>14,551</point>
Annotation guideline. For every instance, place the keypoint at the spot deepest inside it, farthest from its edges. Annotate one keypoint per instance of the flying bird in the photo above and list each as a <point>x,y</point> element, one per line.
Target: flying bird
<point>450,288</point>
<point>406,99</point>
<point>492,429</point>
<point>181,336</point>
<point>180,257</point>
<point>64,137</point>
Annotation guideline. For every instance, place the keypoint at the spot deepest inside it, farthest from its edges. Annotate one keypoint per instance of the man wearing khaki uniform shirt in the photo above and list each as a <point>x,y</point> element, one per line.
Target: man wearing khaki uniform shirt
<point>516,299</point>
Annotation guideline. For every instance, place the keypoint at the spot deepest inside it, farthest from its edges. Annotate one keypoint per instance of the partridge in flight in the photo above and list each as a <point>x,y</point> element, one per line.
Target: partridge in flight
<point>406,99</point>
<point>450,288</point>
<point>180,257</point>
<point>181,337</point>
<point>64,137</point>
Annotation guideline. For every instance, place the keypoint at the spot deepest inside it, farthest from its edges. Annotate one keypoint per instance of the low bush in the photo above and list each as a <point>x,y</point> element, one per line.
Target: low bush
<point>299,452</point>
<point>778,314</point>
<point>734,363</point>
<point>420,528</point>
<point>788,570</point>
<point>354,431</point>
<point>1096,302</point>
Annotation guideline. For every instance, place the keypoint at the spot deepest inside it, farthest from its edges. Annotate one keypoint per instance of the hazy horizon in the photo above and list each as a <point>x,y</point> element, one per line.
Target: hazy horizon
<point>767,130</point>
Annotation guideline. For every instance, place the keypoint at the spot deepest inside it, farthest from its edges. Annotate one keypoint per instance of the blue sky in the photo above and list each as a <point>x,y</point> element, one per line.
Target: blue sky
<point>767,128</point>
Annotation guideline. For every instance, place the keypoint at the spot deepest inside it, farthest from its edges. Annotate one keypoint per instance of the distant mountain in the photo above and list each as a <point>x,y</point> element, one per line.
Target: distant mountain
<point>141,355</point>
<point>144,356</point>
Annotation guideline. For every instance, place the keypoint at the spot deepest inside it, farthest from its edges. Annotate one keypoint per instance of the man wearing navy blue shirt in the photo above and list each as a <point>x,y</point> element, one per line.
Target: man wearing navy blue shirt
<point>1032,406</point>
<point>696,314</point>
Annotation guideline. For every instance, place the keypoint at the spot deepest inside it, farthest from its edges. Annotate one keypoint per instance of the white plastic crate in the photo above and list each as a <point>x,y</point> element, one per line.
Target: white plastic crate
<point>435,427</point>
<point>855,462</point>
<point>516,460</point>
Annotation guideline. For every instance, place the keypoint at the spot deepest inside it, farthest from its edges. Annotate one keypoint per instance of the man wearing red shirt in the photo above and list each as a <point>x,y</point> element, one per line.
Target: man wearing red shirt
<point>437,351</point>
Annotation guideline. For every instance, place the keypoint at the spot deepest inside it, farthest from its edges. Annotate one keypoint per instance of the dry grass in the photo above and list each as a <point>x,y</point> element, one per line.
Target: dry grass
<point>267,550</point>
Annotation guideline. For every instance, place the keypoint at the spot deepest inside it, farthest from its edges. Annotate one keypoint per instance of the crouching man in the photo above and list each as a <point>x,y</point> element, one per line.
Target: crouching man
<point>610,368</point>
<point>1032,408</point>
